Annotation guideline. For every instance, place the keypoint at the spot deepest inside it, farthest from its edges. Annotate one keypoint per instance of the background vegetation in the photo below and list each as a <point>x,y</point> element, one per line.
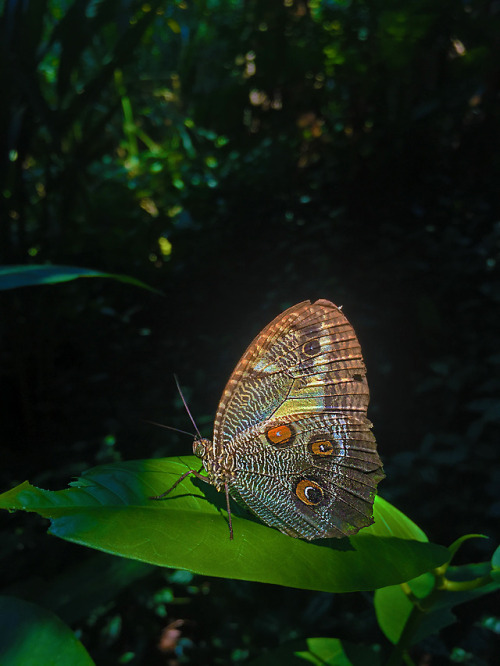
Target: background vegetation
<point>241,156</point>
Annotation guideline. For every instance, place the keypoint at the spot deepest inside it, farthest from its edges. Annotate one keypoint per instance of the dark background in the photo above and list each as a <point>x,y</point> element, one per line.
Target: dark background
<point>242,156</point>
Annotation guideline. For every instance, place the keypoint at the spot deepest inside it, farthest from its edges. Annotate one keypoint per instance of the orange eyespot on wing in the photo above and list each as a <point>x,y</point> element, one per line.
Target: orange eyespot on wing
<point>281,435</point>
<point>322,447</point>
<point>309,492</point>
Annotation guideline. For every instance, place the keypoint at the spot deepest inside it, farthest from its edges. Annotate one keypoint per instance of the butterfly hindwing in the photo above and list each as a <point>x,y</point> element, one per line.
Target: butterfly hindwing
<point>311,475</point>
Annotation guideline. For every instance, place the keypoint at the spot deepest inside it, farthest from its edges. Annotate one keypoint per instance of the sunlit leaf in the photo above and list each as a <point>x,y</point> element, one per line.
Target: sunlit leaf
<point>12,277</point>
<point>109,508</point>
<point>174,26</point>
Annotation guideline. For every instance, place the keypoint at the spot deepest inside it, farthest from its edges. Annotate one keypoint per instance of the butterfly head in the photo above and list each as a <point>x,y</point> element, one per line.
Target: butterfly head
<point>200,447</point>
<point>217,470</point>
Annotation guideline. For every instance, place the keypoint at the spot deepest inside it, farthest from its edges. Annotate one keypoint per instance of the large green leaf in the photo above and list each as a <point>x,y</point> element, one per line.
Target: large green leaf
<point>109,508</point>
<point>12,277</point>
<point>32,636</point>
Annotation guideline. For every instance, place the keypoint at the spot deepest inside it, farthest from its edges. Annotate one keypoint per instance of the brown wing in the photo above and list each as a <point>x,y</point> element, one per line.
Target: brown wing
<point>292,426</point>
<point>275,369</point>
<point>319,481</point>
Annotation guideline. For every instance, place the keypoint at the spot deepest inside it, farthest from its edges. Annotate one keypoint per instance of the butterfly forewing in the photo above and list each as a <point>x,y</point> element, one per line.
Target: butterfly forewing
<point>310,354</point>
<point>291,435</point>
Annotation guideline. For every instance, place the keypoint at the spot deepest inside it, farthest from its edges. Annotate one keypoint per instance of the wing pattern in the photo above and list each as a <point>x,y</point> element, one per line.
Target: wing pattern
<point>291,436</point>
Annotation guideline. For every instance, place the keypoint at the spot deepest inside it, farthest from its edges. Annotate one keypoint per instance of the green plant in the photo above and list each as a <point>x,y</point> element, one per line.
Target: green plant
<point>346,149</point>
<point>109,508</point>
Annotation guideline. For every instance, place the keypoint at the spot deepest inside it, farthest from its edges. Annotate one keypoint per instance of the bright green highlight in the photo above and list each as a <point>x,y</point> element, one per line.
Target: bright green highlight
<point>14,276</point>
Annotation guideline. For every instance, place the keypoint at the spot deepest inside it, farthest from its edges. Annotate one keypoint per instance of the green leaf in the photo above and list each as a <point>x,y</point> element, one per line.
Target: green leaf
<point>12,277</point>
<point>174,26</point>
<point>320,652</point>
<point>456,545</point>
<point>31,636</point>
<point>495,563</point>
<point>108,508</point>
<point>393,607</point>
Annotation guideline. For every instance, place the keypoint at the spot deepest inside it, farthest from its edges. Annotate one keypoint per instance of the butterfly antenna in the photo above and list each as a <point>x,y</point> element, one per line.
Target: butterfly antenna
<point>187,408</point>
<point>183,432</point>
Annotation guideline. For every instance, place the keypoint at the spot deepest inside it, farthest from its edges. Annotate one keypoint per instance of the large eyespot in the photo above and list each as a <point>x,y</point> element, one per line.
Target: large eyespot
<point>281,435</point>
<point>321,447</point>
<point>312,347</point>
<point>309,492</point>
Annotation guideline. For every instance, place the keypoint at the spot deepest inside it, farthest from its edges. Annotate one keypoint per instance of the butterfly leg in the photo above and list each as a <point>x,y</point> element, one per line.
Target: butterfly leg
<point>226,488</point>
<point>202,478</point>
<point>181,478</point>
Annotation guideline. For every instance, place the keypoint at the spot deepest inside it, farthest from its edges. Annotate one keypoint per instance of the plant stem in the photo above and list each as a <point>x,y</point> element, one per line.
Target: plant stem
<point>465,585</point>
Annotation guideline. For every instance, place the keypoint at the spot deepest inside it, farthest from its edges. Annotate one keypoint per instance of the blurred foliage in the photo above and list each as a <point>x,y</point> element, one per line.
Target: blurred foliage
<point>240,156</point>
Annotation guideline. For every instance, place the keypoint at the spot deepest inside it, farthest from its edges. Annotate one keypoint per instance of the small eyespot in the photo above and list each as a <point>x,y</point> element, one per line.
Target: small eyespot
<point>322,447</point>
<point>312,347</point>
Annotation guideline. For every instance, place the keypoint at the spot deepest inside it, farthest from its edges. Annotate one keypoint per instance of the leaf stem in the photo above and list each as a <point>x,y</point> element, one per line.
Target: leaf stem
<point>464,585</point>
<point>422,606</point>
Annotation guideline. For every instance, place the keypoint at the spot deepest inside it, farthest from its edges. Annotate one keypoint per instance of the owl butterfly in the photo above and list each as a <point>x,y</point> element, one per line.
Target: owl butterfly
<point>292,442</point>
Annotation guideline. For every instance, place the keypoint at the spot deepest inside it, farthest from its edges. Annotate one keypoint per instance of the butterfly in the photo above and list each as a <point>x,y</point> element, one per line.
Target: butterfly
<point>292,442</point>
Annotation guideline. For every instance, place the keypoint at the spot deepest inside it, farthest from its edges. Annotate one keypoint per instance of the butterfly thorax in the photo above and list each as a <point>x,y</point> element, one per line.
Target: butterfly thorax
<point>218,469</point>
